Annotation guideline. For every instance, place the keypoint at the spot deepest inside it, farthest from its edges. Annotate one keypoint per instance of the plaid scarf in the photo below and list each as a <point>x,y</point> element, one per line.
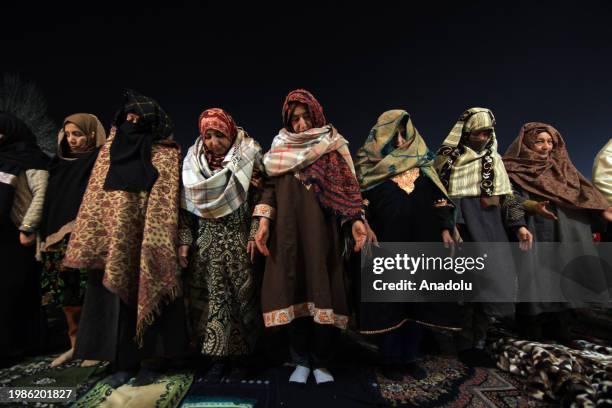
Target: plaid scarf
<point>130,168</point>
<point>466,172</point>
<point>210,193</point>
<point>291,152</point>
<point>151,114</point>
<point>322,157</point>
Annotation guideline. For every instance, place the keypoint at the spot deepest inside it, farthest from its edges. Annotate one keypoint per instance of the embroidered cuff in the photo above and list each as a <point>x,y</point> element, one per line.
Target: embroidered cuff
<point>254,228</point>
<point>184,237</point>
<point>264,210</point>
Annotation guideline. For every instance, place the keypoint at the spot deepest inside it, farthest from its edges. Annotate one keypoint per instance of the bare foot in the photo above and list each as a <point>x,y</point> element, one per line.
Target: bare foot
<point>62,358</point>
<point>89,363</point>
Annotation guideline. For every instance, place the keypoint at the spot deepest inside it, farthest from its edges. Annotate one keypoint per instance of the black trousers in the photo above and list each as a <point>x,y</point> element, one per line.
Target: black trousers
<point>311,344</point>
<point>21,321</point>
<point>108,326</point>
<point>475,323</point>
<point>402,345</point>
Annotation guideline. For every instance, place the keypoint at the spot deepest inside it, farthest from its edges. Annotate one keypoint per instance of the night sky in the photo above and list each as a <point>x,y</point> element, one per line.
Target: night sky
<point>526,61</point>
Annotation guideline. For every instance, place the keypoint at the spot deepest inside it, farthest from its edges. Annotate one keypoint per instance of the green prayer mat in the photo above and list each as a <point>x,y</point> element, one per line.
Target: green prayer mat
<point>219,402</point>
<point>167,392</point>
<point>36,372</point>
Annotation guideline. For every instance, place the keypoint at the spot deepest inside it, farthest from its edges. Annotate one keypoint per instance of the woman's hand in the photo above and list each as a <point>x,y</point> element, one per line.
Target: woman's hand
<point>252,250</point>
<point>262,235</point>
<point>525,239</point>
<point>448,241</point>
<point>607,214</point>
<point>360,234</point>
<point>540,209</point>
<point>27,239</point>
<point>371,238</point>
<point>183,255</point>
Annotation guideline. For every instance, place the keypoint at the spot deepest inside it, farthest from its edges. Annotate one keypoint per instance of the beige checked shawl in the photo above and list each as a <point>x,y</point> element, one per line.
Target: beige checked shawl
<point>291,152</point>
<point>215,194</point>
<point>465,172</point>
<point>602,171</point>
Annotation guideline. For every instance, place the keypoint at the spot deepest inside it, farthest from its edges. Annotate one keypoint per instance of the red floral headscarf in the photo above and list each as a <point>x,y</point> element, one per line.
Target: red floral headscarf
<point>221,121</point>
<point>314,108</point>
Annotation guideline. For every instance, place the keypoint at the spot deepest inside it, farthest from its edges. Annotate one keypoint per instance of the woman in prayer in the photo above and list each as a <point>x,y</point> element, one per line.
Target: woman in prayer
<point>23,183</point>
<point>406,202</point>
<point>473,173</point>
<point>126,236</point>
<point>78,143</point>
<point>541,171</point>
<point>222,178</point>
<point>310,208</point>
<point>602,179</point>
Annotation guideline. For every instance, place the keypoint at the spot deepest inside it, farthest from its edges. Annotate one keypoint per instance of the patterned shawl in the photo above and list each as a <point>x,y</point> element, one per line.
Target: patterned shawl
<point>466,172</point>
<point>210,193</point>
<point>602,171</point>
<point>132,236</point>
<point>304,97</point>
<point>319,156</point>
<point>291,152</point>
<point>321,148</point>
<point>379,159</point>
<point>555,177</point>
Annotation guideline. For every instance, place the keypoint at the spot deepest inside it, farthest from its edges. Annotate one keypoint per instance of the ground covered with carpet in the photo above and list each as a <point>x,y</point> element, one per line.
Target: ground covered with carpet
<point>528,374</point>
<point>447,383</point>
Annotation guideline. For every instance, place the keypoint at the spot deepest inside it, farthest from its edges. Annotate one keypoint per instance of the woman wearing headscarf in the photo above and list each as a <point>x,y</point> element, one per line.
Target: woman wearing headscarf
<point>406,202</point>
<point>313,200</point>
<point>602,179</point>
<point>126,235</point>
<point>473,173</point>
<point>23,182</point>
<point>78,144</point>
<point>541,171</point>
<point>222,176</point>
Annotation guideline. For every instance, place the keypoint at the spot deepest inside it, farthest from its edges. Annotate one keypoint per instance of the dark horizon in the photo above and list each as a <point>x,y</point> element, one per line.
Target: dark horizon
<point>547,62</point>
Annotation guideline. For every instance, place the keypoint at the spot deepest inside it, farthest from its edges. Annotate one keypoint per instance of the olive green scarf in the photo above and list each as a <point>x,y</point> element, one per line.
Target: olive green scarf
<point>379,159</point>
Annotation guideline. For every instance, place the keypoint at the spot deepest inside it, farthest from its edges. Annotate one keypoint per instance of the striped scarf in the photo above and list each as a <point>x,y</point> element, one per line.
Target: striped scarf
<point>210,193</point>
<point>322,159</point>
<point>291,152</point>
<point>466,172</point>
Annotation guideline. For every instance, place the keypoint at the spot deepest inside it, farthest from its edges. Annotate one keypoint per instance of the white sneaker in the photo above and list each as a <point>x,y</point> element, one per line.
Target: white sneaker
<point>300,375</point>
<point>322,375</point>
